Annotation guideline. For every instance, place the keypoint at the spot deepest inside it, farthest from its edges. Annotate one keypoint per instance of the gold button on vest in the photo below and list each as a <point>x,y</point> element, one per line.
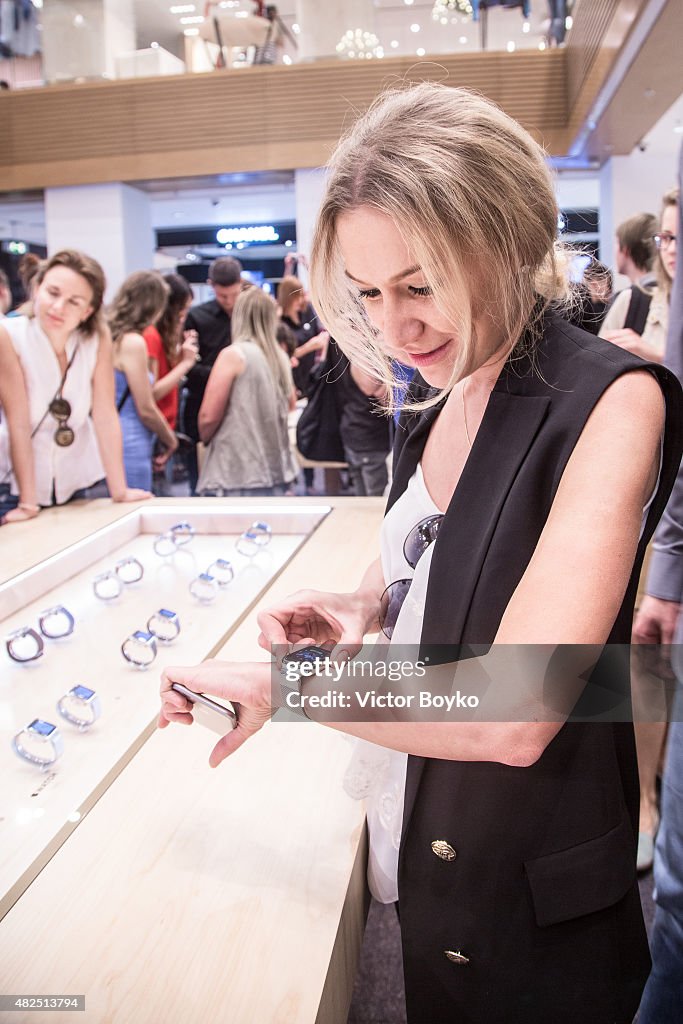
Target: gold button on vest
<point>443,849</point>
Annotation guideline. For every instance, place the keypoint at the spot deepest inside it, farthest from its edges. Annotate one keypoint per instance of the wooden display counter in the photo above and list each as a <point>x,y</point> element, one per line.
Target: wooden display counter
<point>176,892</point>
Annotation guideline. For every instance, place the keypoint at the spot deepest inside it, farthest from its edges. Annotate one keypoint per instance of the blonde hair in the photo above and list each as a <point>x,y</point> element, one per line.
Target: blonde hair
<point>664,282</point>
<point>470,191</point>
<point>254,319</point>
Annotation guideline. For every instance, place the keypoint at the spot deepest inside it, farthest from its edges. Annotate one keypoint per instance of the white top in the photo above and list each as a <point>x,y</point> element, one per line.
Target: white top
<point>64,469</point>
<point>377,773</point>
<point>656,325</point>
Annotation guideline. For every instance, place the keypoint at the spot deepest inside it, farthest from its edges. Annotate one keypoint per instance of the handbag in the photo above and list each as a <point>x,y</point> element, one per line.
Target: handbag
<point>317,433</point>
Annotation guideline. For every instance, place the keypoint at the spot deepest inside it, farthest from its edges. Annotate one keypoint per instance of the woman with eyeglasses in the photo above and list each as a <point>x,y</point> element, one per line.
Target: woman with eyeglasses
<point>61,426</point>
<point>530,468</point>
<point>638,322</point>
<point>638,319</point>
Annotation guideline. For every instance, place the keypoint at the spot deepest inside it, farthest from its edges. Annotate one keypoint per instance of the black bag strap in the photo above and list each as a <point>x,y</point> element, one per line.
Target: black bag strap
<point>638,309</point>
<point>123,399</point>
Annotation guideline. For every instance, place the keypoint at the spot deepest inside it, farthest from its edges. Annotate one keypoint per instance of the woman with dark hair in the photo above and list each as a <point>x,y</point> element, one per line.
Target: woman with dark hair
<point>139,302</point>
<point>60,434</point>
<point>171,354</point>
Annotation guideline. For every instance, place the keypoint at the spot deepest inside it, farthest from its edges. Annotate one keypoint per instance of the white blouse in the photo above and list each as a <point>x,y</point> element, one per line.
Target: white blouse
<point>59,471</point>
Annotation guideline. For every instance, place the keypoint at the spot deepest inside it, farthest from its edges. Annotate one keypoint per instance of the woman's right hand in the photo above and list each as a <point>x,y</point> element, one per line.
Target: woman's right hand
<point>319,617</point>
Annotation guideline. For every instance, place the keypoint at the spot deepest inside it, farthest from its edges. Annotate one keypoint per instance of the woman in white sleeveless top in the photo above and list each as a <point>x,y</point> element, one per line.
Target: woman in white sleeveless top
<point>63,419</point>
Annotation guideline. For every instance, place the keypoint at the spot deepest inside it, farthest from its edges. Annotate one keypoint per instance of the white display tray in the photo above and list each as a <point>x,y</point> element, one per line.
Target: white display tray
<point>39,809</point>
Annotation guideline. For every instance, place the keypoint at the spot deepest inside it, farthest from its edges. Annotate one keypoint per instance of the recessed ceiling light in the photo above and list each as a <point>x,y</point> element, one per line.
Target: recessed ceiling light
<point>155,46</point>
<point>394,44</point>
<point>463,39</point>
<point>191,32</point>
<point>526,27</point>
<point>182,9</point>
<point>510,47</point>
<point>414,27</point>
<point>286,59</point>
<point>541,45</point>
<point>420,51</point>
<point>296,29</point>
<point>193,19</point>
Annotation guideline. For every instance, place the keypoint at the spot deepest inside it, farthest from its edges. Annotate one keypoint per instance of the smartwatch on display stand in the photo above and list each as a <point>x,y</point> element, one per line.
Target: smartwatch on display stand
<point>40,743</point>
<point>139,649</point>
<point>81,706</point>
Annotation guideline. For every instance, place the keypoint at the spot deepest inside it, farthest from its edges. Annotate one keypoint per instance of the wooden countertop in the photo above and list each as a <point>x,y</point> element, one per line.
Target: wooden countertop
<point>189,894</point>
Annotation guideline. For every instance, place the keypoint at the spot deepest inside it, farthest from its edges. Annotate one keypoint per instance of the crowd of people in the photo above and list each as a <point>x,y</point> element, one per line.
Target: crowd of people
<point>98,401</point>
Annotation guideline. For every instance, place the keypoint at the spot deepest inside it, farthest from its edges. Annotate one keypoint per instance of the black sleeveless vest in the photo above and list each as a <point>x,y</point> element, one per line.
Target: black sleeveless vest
<point>541,898</point>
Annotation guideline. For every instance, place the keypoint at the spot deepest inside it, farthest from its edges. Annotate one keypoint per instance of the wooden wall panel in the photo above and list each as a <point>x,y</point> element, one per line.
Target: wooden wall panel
<point>271,118</point>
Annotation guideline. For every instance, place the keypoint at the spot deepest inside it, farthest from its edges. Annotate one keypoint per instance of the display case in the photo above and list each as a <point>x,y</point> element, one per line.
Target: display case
<point>133,874</point>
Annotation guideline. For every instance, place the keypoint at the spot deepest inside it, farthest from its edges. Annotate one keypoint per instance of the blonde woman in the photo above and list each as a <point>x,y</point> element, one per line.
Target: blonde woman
<point>139,302</point>
<point>526,485</point>
<point>61,433</point>
<point>243,415</point>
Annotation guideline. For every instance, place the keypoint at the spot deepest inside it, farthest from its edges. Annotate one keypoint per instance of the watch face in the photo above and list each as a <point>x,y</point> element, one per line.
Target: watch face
<point>166,613</point>
<point>205,577</point>
<point>143,637</point>
<point>83,692</point>
<point>308,654</point>
<point>41,727</point>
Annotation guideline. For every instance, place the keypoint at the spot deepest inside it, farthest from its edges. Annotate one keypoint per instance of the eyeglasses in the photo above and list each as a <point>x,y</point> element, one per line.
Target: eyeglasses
<point>664,240</point>
<point>422,535</point>
<point>61,410</point>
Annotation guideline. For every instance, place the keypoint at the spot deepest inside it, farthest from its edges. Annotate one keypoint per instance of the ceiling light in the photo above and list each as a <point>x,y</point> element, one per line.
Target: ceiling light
<point>296,29</point>
<point>444,8</point>
<point>182,9</point>
<point>568,22</point>
<point>463,39</point>
<point>154,46</point>
<point>408,3</point>
<point>195,19</point>
<point>526,27</point>
<point>286,59</point>
<point>394,44</point>
<point>414,27</point>
<point>510,47</point>
<point>359,44</point>
<point>191,32</point>
<point>541,45</point>
<point>420,51</point>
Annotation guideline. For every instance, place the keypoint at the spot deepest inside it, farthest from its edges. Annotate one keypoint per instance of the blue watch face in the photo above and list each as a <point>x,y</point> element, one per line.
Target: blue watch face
<point>310,654</point>
<point>261,526</point>
<point>206,577</point>
<point>83,692</point>
<point>223,564</point>
<point>41,727</point>
<point>166,613</point>
<point>143,637</point>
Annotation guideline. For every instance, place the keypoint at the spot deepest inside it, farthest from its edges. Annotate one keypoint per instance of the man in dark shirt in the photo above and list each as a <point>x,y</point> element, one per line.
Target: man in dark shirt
<point>211,321</point>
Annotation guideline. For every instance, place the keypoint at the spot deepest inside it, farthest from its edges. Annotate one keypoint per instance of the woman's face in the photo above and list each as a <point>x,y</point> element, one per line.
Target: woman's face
<point>398,300</point>
<point>669,227</point>
<point>63,300</point>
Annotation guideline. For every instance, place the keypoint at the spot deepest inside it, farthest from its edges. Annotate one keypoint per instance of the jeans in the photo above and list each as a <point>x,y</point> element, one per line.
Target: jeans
<point>663,996</point>
<point>368,472</point>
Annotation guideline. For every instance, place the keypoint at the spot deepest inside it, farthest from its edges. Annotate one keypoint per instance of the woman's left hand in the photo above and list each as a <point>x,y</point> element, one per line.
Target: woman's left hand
<point>247,684</point>
<point>132,494</point>
<point>20,514</point>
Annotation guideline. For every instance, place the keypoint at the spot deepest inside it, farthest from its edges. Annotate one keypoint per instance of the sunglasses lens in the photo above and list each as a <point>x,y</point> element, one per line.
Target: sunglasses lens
<point>390,605</point>
<point>419,539</point>
<point>64,436</point>
<point>60,408</point>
